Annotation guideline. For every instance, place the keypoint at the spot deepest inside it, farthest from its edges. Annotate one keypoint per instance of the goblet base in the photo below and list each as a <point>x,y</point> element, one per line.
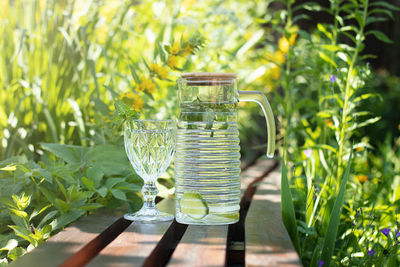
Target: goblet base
<point>149,216</point>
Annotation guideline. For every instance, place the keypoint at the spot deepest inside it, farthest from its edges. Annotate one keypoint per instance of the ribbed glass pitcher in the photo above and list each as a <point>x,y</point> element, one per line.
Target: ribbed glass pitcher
<point>207,162</point>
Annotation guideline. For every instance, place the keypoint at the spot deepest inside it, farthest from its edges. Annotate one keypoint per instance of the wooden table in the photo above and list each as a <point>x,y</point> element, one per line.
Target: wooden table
<point>258,239</point>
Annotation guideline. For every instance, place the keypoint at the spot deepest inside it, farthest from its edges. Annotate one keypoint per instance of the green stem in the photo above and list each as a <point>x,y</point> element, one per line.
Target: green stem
<point>343,133</point>
<point>288,98</point>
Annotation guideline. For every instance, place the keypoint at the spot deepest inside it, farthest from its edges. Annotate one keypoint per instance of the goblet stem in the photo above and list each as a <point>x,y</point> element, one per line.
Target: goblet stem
<point>149,192</point>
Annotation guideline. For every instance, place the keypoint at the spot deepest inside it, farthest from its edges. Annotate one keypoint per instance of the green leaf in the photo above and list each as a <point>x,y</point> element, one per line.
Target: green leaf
<point>12,167</point>
<point>310,204</point>
<point>19,213</point>
<point>48,217</point>
<point>66,219</point>
<point>111,159</point>
<point>16,253</point>
<point>322,29</point>
<point>62,151</point>
<point>24,233</point>
<point>331,48</point>
<point>309,5</point>
<point>161,52</point>
<point>367,96</point>
<point>62,188</point>
<point>325,147</point>
<point>22,201</point>
<point>344,57</point>
<point>386,5</point>
<point>79,118</point>
<point>8,202</point>
<point>62,206</point>
<point>327,59</point>
<point>364,123</point>
<point>46,175</point>
<point>372,19</point>
<point>113,181</point>
<point>331,233</point>
<point>325,114</point>
<point>124,110</point>
<point>91,206</point>
<point>145,63</point>
<point>102,191</point>
<point>38,212</point>
<point>134,74</point>
<point>380,36</point>
<point>128,186</point>
<point>88,183</point>
<point>288,214</point>
<point>101,106</point>
<point>64,173</point>
<point>118,194</point>
<point>381,11</point>
<point>95,174</point>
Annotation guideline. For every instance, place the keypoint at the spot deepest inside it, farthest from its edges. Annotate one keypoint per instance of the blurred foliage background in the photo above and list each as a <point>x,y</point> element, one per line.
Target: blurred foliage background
<point>64,63</point>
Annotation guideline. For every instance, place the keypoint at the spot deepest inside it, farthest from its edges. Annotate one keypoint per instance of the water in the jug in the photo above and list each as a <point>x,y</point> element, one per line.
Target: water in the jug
<point>207,172</point>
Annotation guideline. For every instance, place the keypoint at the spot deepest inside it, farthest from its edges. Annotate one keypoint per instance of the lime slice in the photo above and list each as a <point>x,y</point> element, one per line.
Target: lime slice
<point>233,216</point>
<point>193,205</point>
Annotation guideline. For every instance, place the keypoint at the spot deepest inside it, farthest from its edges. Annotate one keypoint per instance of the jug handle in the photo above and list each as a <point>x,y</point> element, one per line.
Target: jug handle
<point>261,99</point>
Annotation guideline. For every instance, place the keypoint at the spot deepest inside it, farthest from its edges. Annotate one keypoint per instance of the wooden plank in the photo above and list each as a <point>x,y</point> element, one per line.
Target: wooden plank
<point>135,244</point>
<point>201,245</point>
<point>267,241</point>
<point>255,171</point>
<point>64,244</point>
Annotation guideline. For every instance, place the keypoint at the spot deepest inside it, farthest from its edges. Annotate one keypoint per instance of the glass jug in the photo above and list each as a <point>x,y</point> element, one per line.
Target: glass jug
<point>207,161</point>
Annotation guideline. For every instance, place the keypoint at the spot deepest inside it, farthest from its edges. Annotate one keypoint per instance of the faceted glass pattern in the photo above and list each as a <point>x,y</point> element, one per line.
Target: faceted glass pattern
<point>150,146</point>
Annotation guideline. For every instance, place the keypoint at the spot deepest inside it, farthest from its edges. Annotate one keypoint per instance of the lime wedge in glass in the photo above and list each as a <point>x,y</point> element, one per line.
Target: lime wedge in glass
<point>193,205</point>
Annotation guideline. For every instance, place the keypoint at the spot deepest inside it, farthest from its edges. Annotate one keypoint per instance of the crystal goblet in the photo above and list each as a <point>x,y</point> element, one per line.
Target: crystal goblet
<point>150,146</point>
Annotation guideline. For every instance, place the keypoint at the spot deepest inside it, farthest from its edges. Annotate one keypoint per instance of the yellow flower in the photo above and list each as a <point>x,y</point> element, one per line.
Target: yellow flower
<point>188,50</point>
<point>159,70</point>
<point>279,56</point>
<point>172,62</point>
<point>275,72</point>
<point>292,39</point>
<point>284,44</point>
<point>130,95</point>
<point>137,103</point>
<point>139,87</point>
<point>362,178</point>
<point>328,123</point>
<point>359,148</point>
<point>175,48</point>
<point>121,96</point>
<point>147,85</point>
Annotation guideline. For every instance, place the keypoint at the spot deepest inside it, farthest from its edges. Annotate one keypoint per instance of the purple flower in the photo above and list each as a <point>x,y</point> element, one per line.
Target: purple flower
<point>385,231</point>
<point>320,263</point>
<point>308,152</point>
<point>371,252</point>
<point>332,78</point>
<point>397,233</point>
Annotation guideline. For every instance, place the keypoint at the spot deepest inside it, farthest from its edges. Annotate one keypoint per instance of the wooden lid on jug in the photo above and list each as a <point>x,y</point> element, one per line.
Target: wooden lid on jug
<point>208,78</point>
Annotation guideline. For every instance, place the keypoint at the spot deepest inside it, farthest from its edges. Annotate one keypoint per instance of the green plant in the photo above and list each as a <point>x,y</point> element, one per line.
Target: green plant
<point>64,185</point>
<point>336,78</point>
